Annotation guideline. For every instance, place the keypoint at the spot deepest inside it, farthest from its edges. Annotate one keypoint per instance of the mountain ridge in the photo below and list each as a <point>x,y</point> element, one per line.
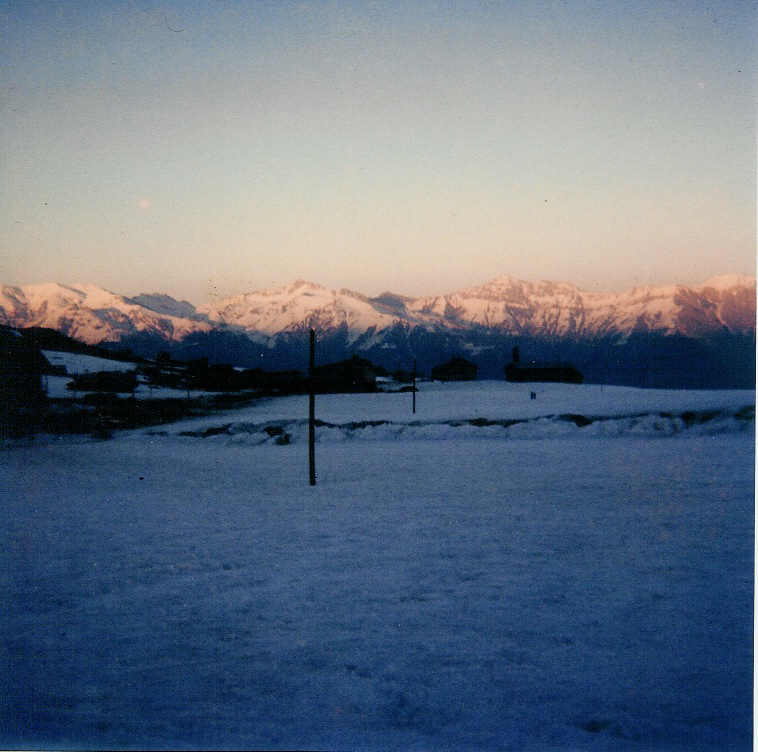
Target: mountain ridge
<point>679,336</point>
<point>504,304</point>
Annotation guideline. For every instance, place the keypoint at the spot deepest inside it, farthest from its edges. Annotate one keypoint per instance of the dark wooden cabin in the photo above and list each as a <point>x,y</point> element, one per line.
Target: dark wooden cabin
<point>456,369</point>
<point>540,372</point>
<point>352,375</point>
<point>557,372</point>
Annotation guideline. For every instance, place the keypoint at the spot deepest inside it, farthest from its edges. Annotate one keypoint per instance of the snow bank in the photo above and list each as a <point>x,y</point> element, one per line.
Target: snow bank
<point>651,425</point>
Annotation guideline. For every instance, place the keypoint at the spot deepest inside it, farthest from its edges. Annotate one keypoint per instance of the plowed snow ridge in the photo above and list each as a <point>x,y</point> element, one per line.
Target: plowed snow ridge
<point>552,426</point>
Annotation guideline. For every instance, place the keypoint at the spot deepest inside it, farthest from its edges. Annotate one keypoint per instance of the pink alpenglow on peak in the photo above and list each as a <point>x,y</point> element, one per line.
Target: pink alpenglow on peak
<point>505,305</point>
<point>88,313</point>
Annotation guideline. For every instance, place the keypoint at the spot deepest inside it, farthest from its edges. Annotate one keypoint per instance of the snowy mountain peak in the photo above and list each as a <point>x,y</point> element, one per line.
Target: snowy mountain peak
<point>88,312</point>
<point>500,285</point>
<point>504,280</point>
<point>504,305</point>
<point>728,282</point>
<point>392,304</point>
<point>303,285</point>
<point>506,287</point>
<point>165,304</point>
<point>298,305</point>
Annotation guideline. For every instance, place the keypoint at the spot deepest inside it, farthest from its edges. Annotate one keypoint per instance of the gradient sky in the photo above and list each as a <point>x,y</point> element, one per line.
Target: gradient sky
<point>212,148</point>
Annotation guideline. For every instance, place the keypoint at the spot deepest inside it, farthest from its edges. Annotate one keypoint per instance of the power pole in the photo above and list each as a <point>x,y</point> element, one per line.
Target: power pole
<point>414,386</point>
<point>312,412</point>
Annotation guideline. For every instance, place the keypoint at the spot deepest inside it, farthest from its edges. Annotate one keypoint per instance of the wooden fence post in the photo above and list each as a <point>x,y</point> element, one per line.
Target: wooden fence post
<point>312,412</point>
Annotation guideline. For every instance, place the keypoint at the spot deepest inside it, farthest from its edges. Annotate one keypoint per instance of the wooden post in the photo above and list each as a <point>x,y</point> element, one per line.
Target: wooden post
<point>414,386</point>
<point>312,412</point>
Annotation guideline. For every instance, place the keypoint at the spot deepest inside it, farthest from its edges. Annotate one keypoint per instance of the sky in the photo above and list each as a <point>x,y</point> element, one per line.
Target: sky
<point>204,149</point>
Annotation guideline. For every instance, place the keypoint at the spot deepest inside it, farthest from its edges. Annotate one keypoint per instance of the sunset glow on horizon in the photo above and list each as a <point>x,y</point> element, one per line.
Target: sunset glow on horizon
<point>208,149</point>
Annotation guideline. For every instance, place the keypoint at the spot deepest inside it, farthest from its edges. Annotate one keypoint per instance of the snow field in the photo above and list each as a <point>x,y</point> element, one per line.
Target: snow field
<point>482,410</point>
<point>494,400</point>
<point>563,594</point>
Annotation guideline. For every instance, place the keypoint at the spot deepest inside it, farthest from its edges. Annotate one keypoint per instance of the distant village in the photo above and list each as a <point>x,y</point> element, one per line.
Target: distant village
<point>102,400</point>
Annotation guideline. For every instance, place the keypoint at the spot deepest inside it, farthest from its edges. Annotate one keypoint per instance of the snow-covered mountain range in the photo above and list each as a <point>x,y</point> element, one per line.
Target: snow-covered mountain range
<point>504,305</point>
<point>93,315</point>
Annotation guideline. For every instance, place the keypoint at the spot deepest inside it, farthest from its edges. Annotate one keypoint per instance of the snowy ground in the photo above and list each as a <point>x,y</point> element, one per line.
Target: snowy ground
<point>485,409</point>
<point>570,590</point>
<point>77,364</point>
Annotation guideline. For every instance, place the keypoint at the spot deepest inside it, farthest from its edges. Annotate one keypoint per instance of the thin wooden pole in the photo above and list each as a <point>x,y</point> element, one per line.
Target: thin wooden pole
<point>312,412</point>
<point>414,386</point>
